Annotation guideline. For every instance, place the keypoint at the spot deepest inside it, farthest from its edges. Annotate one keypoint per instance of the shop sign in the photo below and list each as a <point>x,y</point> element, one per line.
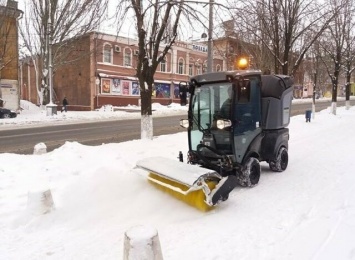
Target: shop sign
<point>201,48</point>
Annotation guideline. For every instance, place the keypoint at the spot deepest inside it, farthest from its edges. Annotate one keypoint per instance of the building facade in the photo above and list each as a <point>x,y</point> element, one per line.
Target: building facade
<point>9,77</point>
<point>103,73</point>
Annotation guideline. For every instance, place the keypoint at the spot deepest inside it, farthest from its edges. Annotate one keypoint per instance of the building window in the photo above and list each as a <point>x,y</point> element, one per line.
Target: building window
<point>107,53</point>
<point>163,65</point>
<point>127,57</point>
<point>204,67</point>
<point>218,67</point>
<point>198,68</point>
<point>181,66</point>
<point>191,69</point>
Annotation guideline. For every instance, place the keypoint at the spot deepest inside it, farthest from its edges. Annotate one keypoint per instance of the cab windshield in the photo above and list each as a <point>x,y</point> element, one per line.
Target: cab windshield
<point>206,106</point>
<point>211,101</point>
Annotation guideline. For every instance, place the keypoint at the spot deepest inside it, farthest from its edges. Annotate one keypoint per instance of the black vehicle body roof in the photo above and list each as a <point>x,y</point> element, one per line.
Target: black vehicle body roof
<point>222,76</point>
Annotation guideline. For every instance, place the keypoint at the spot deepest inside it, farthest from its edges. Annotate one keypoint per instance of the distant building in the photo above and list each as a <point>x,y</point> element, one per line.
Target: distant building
<point>105,68</point>
<point>9,77</point>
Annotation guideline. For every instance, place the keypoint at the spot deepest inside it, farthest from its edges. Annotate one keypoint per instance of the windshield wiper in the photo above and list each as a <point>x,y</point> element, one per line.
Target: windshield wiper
<point>197,122</point>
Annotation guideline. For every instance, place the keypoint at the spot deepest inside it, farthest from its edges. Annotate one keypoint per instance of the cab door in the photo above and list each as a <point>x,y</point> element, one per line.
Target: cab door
<point>246,114</point>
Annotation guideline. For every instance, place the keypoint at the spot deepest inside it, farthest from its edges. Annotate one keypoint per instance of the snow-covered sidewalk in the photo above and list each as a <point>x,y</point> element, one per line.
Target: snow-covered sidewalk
<point>306,212</point>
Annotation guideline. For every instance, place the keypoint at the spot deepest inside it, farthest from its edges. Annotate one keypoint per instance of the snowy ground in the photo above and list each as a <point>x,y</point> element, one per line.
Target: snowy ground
<point>32,115</point>
<point>306,212</point>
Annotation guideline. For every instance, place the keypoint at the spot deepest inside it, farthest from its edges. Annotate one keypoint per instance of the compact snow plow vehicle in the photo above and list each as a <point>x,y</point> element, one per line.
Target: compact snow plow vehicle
<point>236,119</point>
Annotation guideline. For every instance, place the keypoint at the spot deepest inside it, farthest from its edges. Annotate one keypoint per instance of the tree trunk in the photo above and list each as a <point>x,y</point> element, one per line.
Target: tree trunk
<point>146,102</point>
<point>146,113</point>
<point>334,92</point>
<point>0,84</point>
<point>45,95</point>
<point>147,127</point>
<point>334,108</point>
<point>347,91</point>
<point>285,60</point>
<point>334,96</point>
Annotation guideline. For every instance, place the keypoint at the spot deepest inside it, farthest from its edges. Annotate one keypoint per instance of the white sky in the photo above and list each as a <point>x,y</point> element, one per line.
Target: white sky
<point>189,30</point>
<point>306,212</point>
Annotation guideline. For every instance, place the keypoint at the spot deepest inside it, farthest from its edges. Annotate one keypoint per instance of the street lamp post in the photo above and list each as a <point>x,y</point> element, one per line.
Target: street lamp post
<point>314,95</point>
<point>51,107</point>
<point>314,87</point>
<point>210,43</point>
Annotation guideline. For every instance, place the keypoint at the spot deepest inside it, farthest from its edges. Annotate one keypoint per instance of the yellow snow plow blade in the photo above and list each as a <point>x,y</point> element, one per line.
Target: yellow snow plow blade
<point>190,183</point>
<point>194,198</point>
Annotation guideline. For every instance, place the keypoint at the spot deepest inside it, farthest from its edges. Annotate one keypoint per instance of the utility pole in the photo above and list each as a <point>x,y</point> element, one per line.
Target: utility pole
<point>51,107</point>
<point>210,42</point>
<point>315,88</point>
<point>314,94</point>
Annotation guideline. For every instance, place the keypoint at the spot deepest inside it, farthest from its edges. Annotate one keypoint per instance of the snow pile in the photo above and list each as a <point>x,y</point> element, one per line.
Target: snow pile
<point>26,105</point>
<point>34,115</point>
<point>306,212</point>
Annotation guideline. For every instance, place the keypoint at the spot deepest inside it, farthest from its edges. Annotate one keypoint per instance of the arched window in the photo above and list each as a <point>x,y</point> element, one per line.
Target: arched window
<point>127,60</point>
<point>218,67</point>
<point>163,65</point>
<point>191,66</point>
<point>204,67</point>
<point>198,67</point>
<point>107,57</point>
<point>191,69</point>
<point>181,66</point>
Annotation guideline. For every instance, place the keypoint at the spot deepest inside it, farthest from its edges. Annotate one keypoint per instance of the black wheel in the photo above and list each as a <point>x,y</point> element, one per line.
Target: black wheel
<point>281,162</point>
<point>250,174</point>
<point>6,116</point>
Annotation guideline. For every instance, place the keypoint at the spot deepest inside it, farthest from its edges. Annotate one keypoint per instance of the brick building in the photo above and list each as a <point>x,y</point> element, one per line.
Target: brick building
<point>9,92</point>
<point>104,72</point>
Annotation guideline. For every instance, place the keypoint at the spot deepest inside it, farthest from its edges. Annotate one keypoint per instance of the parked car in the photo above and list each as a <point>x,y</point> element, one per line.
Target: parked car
<point>6,113</point>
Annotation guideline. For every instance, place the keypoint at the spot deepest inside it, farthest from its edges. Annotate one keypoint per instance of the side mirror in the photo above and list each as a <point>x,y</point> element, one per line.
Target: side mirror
<point>183,93</point>
<point>244,91</point>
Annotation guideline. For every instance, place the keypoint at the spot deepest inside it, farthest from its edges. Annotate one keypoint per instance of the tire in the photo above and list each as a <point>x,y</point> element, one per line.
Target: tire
<point>250,174</point>
<point>281,162</point>
<point>6,116</point>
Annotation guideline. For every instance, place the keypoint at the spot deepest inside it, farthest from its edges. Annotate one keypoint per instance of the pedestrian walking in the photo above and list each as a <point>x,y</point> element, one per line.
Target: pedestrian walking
<point>65,104</point>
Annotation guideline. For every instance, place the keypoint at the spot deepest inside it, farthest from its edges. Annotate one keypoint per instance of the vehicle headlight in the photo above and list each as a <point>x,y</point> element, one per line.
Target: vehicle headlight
<point>184,123</point>
<point>223,123</point>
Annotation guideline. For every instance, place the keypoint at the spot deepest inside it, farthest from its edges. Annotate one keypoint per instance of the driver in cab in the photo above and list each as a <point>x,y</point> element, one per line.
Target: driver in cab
<point>225,111</point>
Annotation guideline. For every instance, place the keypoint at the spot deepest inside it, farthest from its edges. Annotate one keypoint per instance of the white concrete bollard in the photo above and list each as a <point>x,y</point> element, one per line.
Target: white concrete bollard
<point>142,243</point>
<point>40,202</point>
<point>40,148</point>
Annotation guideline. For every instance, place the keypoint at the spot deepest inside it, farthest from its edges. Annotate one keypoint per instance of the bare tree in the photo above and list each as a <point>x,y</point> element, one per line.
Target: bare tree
<point>158,26</point>
<point>286,28</point>
<point>334,44</point>
<point>318,67</point>
<point>150,55</point>
<point>349,53</point>
<point>58,22</point>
